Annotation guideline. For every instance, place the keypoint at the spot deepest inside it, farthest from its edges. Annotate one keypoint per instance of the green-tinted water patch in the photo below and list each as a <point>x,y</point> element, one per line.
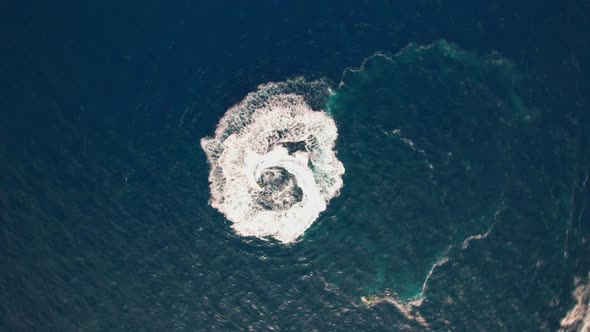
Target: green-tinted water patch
<point>426,137</point>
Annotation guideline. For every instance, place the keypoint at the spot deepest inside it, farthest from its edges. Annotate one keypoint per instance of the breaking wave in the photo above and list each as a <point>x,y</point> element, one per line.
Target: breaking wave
<point>273,164</point>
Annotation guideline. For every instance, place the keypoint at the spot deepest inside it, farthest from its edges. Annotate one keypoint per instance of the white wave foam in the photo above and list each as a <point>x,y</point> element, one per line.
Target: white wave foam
<point>273,167</point>
<point>578,318</point>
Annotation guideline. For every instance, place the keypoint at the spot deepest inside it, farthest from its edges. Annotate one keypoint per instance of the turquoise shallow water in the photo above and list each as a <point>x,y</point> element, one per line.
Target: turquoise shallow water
<point>463,129</point>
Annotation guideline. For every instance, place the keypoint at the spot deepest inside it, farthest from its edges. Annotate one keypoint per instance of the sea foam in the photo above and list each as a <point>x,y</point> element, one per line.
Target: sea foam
<point>273,164</point>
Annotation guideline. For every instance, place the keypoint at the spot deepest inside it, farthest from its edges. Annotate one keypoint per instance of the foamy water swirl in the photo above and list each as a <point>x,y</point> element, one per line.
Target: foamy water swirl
<point>273,165</point>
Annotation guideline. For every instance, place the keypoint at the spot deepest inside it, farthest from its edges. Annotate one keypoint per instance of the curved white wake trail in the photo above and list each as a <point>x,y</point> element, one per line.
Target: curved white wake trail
<point>273,167</point>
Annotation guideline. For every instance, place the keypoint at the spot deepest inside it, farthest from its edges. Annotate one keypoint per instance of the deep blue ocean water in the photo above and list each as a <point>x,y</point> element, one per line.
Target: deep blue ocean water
<point>464,131</point>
